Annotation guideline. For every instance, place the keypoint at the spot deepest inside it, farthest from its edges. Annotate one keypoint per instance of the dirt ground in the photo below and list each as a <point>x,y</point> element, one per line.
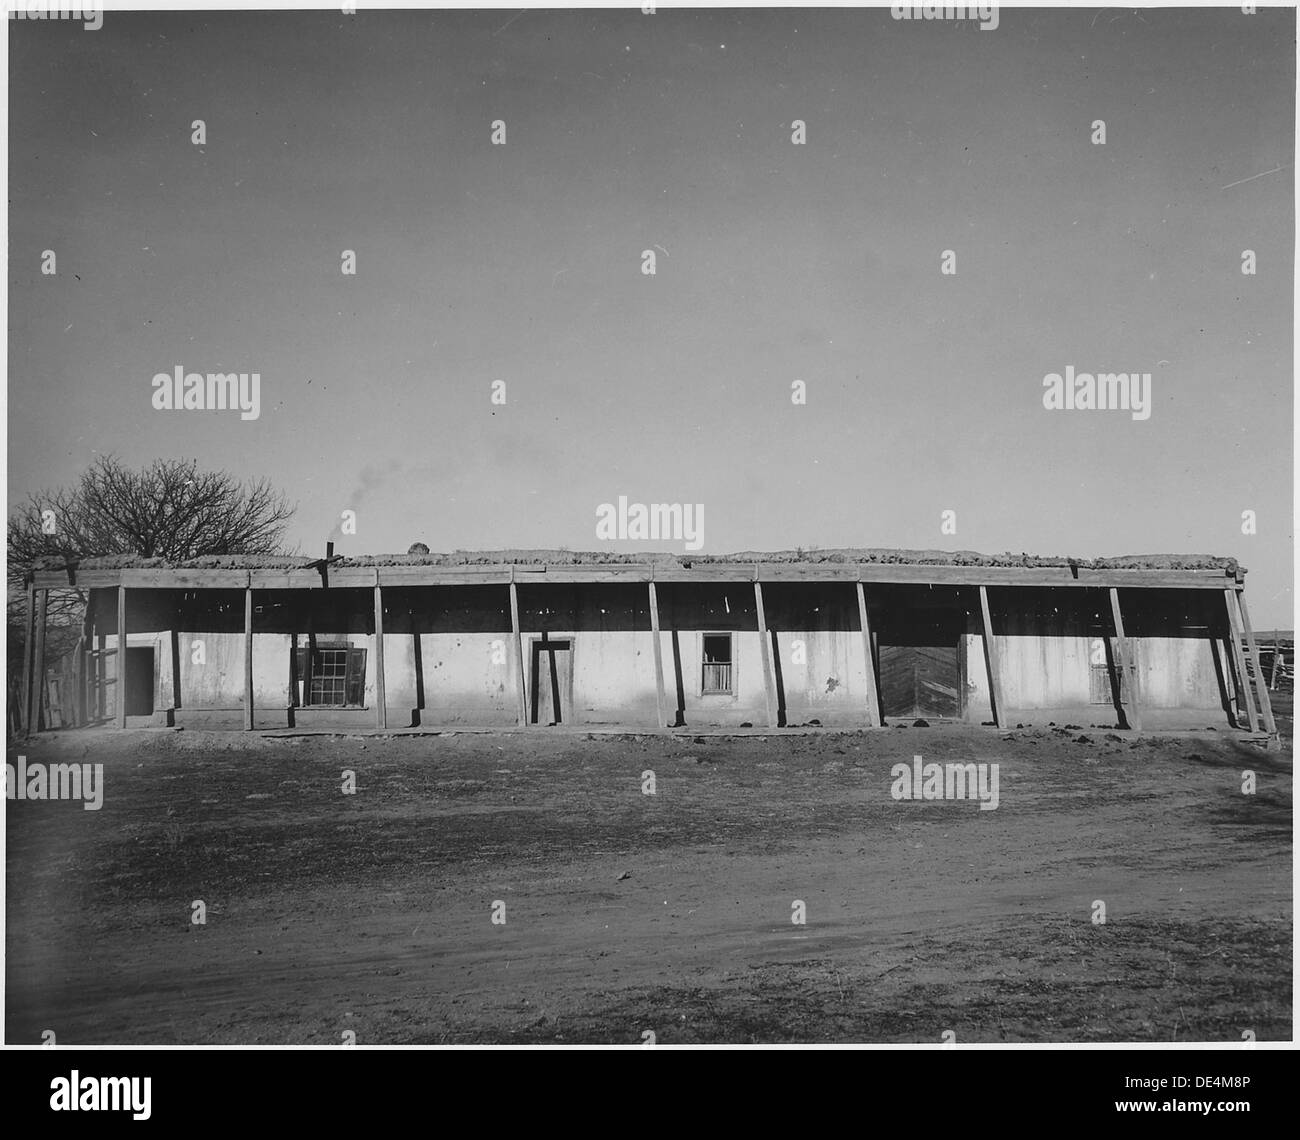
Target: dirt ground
<point>671,913</point>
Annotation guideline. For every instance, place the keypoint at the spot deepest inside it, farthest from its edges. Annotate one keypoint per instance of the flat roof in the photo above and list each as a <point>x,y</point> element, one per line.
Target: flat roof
<point>846,564</point>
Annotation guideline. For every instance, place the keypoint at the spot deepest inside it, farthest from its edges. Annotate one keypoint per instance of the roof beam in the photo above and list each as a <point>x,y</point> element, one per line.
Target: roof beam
<point>878,573</point>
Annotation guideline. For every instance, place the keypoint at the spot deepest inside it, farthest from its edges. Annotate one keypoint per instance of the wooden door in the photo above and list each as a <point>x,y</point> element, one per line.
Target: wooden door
<point>920,681</point>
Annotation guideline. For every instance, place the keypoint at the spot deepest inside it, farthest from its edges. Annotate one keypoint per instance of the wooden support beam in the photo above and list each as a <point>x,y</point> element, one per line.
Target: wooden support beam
<point>84,662</point>
<point>521,688</point>
<point>119,685</point>
<point>992,661</point>
<point>308,656</point>
<point>70,695</point>
<point>328,572</point>
<point>72,700</point>
<point>1261,687</point>
<point>873,692</point>
<point>175,655</point>
<point>248,658</point>
<point>381,697</point>
<point>1127,665</point>
<point>99,705</point>
<point>38,663</point>
<point>660,703</point>
<point>292,702</point>
<point>1232,681</point>
<point>769,686</point>
<point>29,654</point>
<point>1277,656</point>
<point>1239,658</point>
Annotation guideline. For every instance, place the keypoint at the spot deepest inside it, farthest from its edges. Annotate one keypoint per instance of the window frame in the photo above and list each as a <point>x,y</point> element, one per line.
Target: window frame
<point>354,672</point>
<point>730,691</point>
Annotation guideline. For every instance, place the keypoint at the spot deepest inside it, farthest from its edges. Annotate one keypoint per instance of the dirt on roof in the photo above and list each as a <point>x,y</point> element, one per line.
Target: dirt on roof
<point>531,557</point>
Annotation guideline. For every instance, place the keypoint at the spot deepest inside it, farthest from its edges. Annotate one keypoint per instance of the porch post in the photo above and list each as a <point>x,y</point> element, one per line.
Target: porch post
<point>175,640</point>
<point>381,697</point>
<point>992,662</point>
<point>873,694</point>
<point>83,662</point>
<point>1265,705</point>
<point>119,698</point>
<point>659,654</point>
<point>38,666</point>
<point>521,689</point>
<point>29,656</point>
<point>1128,666</point>
<point>1239,658</point>
<point>769,689</point>
<point>248,657</point>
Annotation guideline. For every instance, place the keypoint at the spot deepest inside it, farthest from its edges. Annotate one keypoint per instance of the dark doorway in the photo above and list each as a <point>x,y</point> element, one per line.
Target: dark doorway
<point>139,682</point>
<point>920,663</point>
<point>551,681</point>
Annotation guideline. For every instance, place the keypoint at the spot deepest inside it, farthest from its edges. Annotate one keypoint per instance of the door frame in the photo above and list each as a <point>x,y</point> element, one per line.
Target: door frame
<point>961,648</point>
<point>154,645</point>
<point>566,694</point>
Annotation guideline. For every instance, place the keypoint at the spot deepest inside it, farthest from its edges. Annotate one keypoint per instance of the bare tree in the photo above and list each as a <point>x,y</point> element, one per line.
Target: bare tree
<point>169,510</point>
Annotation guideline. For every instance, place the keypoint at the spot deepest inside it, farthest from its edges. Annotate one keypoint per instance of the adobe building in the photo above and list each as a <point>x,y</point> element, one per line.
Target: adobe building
<point>842,639</point>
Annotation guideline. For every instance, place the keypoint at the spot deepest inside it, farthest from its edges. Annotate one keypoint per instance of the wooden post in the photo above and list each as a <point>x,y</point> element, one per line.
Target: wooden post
<point>1128,666</point>
<point>659,656</point>
<point>1265,705</point>
<point>310,623</point>
<point>1277,656</point>
<point>84,661</point>
<point>248,658</point>
<point>519,649</point>
<point>38,660</point>
<point>100,706</point>
<point>1239,658</point>
<point>175,640</point>
<point>72,702</point>
<point>29,655</point>
<point>992,662</point>
<point>873,694</point>
<point>38,665</point>
<point>119,686</point>
<point>1231,681</point>
<point>381,697</point>
<point>769,688</point>
<point>292,703</point>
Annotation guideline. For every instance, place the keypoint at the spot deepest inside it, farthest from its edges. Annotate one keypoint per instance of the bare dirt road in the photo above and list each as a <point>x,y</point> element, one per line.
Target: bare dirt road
<point>627,913</point>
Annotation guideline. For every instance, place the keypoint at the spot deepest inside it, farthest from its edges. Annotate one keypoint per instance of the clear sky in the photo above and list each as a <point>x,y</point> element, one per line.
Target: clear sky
<point>775,262</point>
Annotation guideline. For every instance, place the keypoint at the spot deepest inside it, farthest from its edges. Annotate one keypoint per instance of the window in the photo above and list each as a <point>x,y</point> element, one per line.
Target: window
<point>336,678</point>
<point>717,663</point>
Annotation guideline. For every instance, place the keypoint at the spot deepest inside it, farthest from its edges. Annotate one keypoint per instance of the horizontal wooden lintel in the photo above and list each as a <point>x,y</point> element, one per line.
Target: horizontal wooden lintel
<point>344,577</point>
